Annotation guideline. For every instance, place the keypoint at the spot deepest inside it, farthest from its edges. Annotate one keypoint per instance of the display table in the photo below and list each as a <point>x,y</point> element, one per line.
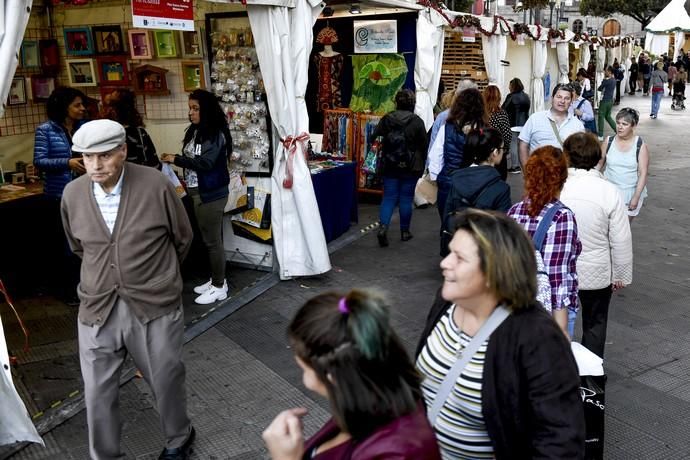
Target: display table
<point>335,194</point>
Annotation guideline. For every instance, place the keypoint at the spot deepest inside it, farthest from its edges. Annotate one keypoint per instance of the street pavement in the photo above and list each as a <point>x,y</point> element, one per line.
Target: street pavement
<point>241,372</point>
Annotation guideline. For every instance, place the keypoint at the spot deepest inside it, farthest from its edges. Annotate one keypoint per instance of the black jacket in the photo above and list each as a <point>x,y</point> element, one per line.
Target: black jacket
<point>530,387</point>
<point>517,106</point>
<point>480,185</point>
<point>415,139</point>
<point>211,166</point>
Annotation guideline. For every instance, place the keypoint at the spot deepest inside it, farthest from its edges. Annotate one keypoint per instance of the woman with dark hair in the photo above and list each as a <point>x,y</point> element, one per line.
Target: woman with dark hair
<point>546,171</point>
<point>404,150</point>
<point>121,106</point>
<point>53,140</point>
<point>606,261</point>
<point>207,145</point>
<point>498,119</point>
<point>466,113</point>
<point>349,354</point>
<point>517,103</point>
<point>582,77</point>
<point>479,186</point>
<point>53,156</point>
<point>500,380</point>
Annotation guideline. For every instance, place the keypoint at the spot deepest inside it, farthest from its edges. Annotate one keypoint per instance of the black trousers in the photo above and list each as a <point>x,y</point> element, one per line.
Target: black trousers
<point>595,315</point>
<point>633,83</point>
<point>618,92</point>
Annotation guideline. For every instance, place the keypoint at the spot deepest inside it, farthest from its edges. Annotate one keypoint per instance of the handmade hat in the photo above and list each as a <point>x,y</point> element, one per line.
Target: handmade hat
<point>327,36</point>
<point>98,136</point>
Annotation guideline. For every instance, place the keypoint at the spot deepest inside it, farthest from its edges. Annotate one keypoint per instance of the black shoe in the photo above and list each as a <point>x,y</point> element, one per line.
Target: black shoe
<point>382,236</point>
<point>405,235</point>
<point>179,453</point>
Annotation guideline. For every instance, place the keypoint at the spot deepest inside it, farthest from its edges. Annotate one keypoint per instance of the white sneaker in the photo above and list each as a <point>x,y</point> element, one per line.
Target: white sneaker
<point>213,294</point>
<point>200,289</point>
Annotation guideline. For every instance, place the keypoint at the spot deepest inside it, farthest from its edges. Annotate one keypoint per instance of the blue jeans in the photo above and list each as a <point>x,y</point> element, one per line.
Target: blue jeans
<point>397,192</point>
<point>656,102</point>
<point>572,316</point>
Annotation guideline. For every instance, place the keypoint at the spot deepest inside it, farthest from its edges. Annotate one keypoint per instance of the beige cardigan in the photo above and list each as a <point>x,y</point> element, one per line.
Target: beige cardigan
<point>140,261</point>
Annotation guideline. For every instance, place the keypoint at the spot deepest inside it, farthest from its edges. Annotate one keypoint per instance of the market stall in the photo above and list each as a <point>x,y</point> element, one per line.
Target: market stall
<point>673,22</point>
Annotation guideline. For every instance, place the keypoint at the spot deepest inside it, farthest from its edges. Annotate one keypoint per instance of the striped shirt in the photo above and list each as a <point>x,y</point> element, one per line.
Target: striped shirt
<point>460,427</point>
<point>108,203</point>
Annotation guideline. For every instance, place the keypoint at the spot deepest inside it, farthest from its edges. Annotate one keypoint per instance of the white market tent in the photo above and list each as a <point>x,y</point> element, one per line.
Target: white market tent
<point>673,19</point>
<point>14,16</point>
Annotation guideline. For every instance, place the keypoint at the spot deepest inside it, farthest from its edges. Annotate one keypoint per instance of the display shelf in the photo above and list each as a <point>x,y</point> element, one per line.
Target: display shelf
<point>149,79</point>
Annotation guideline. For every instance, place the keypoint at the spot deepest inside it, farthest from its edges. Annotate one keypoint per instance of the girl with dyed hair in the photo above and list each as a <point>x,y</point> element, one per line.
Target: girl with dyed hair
<point>349,354</point>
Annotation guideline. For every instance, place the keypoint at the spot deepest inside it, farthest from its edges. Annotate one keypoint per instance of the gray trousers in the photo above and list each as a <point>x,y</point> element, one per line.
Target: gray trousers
<point>156,348</point>
<point>209,217</point>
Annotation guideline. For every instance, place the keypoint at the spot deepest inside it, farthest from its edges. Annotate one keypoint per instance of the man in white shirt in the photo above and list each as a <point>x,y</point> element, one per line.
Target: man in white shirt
<point>550,127</point>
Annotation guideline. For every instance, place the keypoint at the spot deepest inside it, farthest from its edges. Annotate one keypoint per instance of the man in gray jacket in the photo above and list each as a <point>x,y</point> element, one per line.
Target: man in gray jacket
<point>131,231</point>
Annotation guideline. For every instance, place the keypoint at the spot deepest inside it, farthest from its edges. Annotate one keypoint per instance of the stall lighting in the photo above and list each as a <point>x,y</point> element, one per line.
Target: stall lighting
<point>354,9</point>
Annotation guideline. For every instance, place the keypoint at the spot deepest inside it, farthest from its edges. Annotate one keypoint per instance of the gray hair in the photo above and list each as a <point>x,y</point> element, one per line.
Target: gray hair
<point>628,115</point>
<point>465,84</point>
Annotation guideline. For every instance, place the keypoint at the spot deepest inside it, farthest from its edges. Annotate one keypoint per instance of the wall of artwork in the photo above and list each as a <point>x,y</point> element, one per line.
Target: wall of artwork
<point>91,47</point>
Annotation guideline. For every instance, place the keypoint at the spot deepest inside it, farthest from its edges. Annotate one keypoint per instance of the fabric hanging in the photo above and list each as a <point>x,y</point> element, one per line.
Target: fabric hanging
<point>600,60</point>
<point>538,71</point>
<point>562,52</point>
<point>329,70</point>
<point>14,16</point>
<point>427,68</point>
<point>494,48</point>
<point>679,41</point>
<point>377,77</point>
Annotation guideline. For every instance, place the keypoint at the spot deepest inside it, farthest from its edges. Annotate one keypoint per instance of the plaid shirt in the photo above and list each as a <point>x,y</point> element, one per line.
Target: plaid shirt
<point>559,251</point>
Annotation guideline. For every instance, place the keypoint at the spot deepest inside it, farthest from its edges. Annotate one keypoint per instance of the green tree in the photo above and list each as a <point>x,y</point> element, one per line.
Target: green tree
<point>643,11</point>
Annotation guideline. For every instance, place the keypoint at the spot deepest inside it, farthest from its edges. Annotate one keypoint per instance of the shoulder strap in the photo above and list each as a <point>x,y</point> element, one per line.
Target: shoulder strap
<point>608,147</point>
<point>555,131</point>
<point>497,317</point>
<point>543,227</point>
<point>637,151</point>
<point>580,104</point>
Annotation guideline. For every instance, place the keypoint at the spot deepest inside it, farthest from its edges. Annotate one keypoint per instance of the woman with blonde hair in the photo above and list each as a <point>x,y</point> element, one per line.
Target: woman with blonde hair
<point>500,380</point>
<point>498,119</point>
<point>545,174</point>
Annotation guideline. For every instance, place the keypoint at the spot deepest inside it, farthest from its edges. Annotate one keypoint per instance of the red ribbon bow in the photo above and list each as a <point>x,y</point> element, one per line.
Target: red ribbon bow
<point>290,143</point>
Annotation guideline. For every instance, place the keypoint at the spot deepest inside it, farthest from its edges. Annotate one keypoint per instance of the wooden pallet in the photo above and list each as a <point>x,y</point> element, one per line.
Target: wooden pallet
<point>462,60</point>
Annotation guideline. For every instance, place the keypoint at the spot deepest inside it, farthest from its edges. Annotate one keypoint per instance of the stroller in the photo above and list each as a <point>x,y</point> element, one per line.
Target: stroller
<point>678,95</point>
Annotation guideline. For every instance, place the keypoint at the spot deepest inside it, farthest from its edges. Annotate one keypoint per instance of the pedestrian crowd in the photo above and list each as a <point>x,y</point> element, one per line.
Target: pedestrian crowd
<point>492,376</point>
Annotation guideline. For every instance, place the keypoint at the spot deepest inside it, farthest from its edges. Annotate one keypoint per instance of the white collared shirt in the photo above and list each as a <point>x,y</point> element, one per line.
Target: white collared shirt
<point>538,132</point>
<point>109,203</point>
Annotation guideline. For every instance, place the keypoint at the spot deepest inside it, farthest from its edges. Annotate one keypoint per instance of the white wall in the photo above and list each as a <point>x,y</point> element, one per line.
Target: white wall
<point>520,58</point>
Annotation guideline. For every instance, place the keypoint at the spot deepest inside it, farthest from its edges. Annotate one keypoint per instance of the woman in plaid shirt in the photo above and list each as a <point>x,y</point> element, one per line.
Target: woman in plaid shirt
<point>545,173</point>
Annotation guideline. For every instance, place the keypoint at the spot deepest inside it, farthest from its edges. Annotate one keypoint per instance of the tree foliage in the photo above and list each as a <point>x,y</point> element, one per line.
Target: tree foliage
<point>643,11</point>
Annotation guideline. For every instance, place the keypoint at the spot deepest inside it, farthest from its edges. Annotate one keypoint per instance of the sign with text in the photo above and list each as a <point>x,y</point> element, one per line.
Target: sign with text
<point>163,14</point>
<point>376,36</point>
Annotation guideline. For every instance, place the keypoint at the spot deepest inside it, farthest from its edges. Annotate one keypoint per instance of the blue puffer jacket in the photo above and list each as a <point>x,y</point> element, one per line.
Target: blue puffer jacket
<point>52,152</point>
<point>453,151</point>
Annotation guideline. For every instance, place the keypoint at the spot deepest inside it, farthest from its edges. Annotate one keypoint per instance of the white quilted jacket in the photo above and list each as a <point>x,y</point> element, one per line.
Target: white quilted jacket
<point>603,228</point>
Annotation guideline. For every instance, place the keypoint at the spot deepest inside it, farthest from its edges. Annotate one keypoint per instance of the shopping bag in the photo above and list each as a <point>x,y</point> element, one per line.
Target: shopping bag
<point>255,215</point>
<point>371,159</point>
<point>425,192</point>
<point>172,177</point>
<point>592,392</point>
<point>240,195</point>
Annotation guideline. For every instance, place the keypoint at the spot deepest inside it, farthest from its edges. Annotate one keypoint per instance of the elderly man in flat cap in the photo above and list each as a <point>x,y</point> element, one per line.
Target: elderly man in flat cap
<point>131,231</point>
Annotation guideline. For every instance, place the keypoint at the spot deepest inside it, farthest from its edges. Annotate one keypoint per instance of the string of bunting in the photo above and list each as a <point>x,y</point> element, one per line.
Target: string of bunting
<point>467,20</point>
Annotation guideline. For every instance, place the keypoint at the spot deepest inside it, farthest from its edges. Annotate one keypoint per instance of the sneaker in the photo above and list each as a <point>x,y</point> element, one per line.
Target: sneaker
<point>200,289</point>
<point>213,294</point>
<point>515,171</point>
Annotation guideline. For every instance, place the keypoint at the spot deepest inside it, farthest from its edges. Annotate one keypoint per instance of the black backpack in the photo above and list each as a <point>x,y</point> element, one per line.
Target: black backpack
<point>396,154</point>
<point>455,203</point>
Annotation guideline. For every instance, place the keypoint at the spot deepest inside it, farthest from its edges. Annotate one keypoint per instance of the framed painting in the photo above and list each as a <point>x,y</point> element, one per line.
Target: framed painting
<point>78,41</point>
<point>191,44</point>
<point>193,75</point>
<point>41,87</point>
<point>50,56</point>
<point>140,44</point>
<point>30,56</point>
<point>166,46</point>
<point>17,95</point>
<point>81,72</point>
<point>108,39</point>
<point>112,70</point>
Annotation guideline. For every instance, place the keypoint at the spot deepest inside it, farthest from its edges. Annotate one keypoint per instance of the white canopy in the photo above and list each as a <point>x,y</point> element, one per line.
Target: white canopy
<point>14,16</point>
<point>672,18</point>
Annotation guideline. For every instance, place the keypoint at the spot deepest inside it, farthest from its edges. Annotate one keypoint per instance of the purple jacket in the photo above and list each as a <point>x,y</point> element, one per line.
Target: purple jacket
<point>406,438</point>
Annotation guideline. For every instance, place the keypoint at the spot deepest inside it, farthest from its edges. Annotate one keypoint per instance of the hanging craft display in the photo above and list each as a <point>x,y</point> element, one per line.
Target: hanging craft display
<point>377,77</point>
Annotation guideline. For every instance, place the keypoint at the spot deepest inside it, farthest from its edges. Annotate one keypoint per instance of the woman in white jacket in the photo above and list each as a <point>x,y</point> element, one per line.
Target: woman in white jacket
<point>606,261</point>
